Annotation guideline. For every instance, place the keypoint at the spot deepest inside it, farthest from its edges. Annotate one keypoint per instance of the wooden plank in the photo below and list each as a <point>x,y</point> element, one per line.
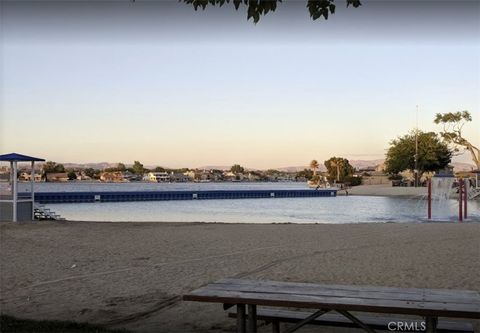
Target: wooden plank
<point>341,287</point>
<point>349,305</point>
<point>425,295</point>
<point>333,299</point>
<point>367,291</point>
<point>425,302</point>
<point>336,320</point>
<point>422,298</point>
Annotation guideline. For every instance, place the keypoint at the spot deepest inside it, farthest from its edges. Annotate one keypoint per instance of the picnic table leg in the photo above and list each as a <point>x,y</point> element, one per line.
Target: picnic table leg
<point>241,318</point>
<point>431,324</point>
<point>252,318</point>
<point>275,326</point>
<point>356,321</point>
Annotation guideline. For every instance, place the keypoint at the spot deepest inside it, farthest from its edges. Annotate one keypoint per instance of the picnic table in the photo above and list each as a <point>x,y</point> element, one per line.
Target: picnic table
<point>342,299</point>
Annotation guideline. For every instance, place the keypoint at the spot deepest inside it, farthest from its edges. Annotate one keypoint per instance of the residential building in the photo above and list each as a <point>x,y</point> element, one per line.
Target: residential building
<point>113,177</point>
<point>178,177</point>
<point>27,176</point>
<point>190,174</point>
<point>57,177</point>
<point>159,177</point>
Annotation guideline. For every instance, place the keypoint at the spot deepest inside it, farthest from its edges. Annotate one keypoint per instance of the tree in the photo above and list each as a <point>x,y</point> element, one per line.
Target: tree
<point>71,175</point>
<point>453,123</point>
<point>237,168</point>
<point>51,166</point>
<point>433,154</point>
<point>257,8</point>
<point>137,168</point>
<point>90,172</point>
<point>120,167</point>
<point>159,169</point>
<point>305,173</point>
<point>272,172</point>
<point>314,166</point>
<point>338,168</point>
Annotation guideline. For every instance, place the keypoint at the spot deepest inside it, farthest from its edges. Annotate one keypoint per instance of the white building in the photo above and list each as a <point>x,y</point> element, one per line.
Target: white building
<point>158,177</point>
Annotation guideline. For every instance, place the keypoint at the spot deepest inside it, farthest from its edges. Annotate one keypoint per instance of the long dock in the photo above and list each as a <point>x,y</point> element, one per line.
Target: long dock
<point>79,197</point>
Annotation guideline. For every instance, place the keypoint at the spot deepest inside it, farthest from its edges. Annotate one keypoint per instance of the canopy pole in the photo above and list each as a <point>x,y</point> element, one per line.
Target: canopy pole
<point>429,203</point>
<point>15,191</point>
<point>32,181</point>
<point>465,197</point>
<point>460,200</point>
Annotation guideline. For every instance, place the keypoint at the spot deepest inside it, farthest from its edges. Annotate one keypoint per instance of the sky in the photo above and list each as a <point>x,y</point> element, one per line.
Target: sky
<point>156,81</point>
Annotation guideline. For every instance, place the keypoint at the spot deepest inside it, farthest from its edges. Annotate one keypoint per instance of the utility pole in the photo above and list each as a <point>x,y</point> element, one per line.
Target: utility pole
<point>416,149</point>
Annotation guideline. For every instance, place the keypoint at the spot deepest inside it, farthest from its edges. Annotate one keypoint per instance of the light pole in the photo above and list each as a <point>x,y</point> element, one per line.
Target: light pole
<point>416,150</point>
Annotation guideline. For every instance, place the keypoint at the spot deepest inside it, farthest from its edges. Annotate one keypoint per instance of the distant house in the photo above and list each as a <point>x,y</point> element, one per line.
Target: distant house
<point>286,177</point>
<point>216,175</point>
<point>158,177</point>
<point>380,167</point>
<point>190,174</point>
<point>375,178</point>
<point>178,177</point>
<point>253,176</point>
<point>205,176</point>
<point>57,177</point>
<point>232,176</point>
<point>28,176</point>
<point>82,176</point>
<point>129,176</point>
<point>113,177</point>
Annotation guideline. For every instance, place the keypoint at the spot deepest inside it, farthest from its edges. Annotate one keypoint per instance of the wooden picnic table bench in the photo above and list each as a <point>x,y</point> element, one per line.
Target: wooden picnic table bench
<point>428,303</point>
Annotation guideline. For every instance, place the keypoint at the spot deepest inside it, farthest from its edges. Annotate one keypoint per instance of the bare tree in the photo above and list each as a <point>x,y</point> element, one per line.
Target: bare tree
<point>453,123</point>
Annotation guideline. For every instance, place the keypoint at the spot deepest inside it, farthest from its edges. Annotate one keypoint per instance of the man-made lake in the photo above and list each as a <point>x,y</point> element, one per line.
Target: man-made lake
<point>351,209</point>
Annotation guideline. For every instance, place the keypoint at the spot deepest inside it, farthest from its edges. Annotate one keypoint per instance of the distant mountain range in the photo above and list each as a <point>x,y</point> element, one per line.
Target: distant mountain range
<point>357,164</point>
<point>363,164</point>
<point>99,166</point>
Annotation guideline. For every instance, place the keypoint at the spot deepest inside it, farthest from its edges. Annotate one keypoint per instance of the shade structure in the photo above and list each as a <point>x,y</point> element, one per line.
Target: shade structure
<point>14,207</point>
<point>14,157</point>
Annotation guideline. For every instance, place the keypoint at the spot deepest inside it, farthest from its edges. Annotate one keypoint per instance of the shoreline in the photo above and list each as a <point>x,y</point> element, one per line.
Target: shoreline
<point>385,191</point>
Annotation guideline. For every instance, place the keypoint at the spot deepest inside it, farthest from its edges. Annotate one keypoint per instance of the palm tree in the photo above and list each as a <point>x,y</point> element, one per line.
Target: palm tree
<point>314,166</point>
<point>337,163</point>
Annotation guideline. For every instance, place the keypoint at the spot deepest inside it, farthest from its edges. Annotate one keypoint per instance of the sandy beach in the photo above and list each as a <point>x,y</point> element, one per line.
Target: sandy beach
<point>132,275</point>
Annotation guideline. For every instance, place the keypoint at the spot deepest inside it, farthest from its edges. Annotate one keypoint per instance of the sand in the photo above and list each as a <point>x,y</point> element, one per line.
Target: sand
<point>132,275</point>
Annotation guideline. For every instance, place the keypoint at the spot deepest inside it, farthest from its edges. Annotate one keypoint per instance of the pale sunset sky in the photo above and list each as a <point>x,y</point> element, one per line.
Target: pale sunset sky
<point>156,81</point>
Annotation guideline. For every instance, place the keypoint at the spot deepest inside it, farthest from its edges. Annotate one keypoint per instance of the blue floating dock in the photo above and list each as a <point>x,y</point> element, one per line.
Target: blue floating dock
<point>79,197</point>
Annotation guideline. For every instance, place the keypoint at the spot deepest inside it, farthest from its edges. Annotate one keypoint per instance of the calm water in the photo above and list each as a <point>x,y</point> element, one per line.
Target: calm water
<point>352,209</point>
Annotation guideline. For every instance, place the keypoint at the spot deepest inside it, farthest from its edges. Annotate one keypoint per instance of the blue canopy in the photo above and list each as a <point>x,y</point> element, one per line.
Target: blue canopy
<point>14,157</point>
